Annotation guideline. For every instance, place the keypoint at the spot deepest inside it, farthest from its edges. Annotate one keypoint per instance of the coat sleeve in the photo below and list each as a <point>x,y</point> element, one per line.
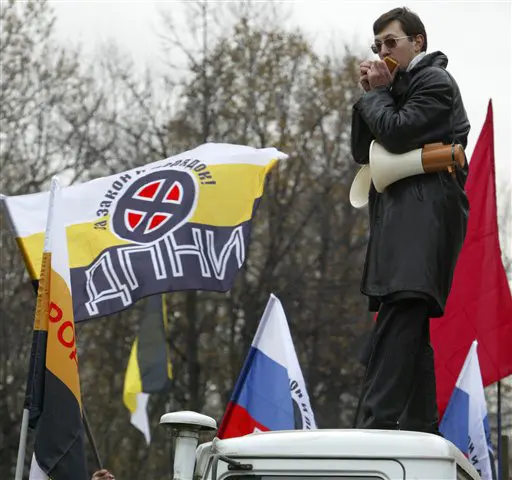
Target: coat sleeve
<point>418,121</point>
<point>361,137</point>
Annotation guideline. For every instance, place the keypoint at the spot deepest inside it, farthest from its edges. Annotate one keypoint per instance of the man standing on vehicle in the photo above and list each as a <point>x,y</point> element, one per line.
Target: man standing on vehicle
<point>417,225</point>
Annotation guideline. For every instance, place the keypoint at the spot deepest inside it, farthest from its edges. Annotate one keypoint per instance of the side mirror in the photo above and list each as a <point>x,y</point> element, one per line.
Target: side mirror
<point>187,426</point>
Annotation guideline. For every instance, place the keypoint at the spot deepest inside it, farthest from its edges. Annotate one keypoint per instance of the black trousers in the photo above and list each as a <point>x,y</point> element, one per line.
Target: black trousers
<point>399,390</point>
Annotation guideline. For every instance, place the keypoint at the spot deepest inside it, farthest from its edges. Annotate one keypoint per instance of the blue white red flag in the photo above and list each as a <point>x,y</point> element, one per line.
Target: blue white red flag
<point>465,421</point>
<point>270,393</point>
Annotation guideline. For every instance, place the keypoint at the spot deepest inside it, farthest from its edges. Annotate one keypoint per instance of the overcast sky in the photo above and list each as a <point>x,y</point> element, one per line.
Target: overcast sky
<point>476,37</point>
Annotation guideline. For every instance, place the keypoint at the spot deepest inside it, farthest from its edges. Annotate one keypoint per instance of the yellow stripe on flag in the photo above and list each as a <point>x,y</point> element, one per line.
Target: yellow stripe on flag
<point>61,354</point>
<point>43,294</point>
<point>85,243</point>
<point>228,203</point>
<point>132,380</point>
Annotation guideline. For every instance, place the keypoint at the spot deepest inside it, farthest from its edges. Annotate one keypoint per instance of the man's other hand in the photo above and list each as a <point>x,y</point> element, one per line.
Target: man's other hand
<point>378,75</point>
<point>364,68</point>
<point>102,475</point>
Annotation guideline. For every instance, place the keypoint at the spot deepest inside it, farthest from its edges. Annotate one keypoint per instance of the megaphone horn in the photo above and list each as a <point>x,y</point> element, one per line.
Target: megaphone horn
<point>361,187</point>
<point>386,168</point>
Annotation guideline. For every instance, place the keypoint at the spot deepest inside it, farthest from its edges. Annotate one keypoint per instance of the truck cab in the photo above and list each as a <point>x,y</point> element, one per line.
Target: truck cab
<point>344,454</point>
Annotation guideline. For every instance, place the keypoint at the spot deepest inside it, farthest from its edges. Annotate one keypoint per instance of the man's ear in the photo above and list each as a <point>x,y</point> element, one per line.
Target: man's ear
<point>419,41</point>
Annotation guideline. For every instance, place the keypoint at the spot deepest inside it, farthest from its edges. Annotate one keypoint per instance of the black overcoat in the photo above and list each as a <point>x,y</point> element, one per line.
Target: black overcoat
<point>418,224</point>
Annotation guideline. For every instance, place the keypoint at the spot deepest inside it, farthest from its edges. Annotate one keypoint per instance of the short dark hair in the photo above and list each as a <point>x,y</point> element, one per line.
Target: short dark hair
<point>411,23</point>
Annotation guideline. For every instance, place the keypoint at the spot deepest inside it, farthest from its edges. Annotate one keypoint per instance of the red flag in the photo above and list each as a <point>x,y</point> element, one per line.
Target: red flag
<point>480,304</point>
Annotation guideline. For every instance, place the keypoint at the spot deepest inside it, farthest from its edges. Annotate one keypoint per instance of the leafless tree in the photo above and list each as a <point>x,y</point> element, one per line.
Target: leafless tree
<point>242,78</point>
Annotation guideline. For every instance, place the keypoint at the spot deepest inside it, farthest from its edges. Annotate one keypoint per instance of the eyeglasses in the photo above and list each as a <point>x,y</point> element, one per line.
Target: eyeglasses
<point>389,42</point>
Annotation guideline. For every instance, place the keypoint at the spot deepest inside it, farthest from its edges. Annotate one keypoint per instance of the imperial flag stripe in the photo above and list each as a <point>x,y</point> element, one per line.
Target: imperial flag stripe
<point>59,448</point>
<point>153,352</point>
<point>149,367</point>
<point>35,379</point>
<point>182,223</point>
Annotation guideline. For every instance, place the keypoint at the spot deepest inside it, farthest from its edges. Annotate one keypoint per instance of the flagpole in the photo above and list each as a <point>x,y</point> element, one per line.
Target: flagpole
<point>26,412</point>
<point>90,437</point>
<point>499,431</point>
<point>20,462</point>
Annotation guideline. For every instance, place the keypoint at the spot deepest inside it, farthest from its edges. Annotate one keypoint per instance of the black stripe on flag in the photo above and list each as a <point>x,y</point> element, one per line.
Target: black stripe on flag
<point>34,395</point>
<point>59,444</point>
<point>152,351</point>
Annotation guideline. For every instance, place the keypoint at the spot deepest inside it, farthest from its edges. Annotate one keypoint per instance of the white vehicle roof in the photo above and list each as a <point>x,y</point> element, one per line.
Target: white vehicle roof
<point>352,443</point>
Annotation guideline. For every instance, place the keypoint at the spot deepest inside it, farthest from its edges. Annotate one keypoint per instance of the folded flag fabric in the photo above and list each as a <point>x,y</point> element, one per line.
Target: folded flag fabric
<point>149,367</point>
<point>53,388</point>
<point>182,223</point>
<point>465,421</point>
<point>270,393</point>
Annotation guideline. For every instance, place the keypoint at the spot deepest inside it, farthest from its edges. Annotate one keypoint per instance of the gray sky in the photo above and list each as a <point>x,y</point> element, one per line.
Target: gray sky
<point>476,36</point>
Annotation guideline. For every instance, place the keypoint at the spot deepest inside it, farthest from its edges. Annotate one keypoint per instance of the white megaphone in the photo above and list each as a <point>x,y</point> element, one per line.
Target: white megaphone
<point>386,168</point>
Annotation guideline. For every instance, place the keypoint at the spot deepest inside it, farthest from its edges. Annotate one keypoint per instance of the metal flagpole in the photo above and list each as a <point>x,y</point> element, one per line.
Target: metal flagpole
<point>20,462</point>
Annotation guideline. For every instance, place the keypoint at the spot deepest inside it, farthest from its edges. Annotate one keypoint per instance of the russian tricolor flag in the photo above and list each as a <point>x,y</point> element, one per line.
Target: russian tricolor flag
<point>270,393</point>
<point>465,421</point>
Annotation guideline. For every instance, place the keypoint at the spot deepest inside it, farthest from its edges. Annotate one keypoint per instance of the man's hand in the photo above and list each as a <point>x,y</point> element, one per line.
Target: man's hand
<point>378,75</point>
<point>102,475</point>
<point>364,68</point>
